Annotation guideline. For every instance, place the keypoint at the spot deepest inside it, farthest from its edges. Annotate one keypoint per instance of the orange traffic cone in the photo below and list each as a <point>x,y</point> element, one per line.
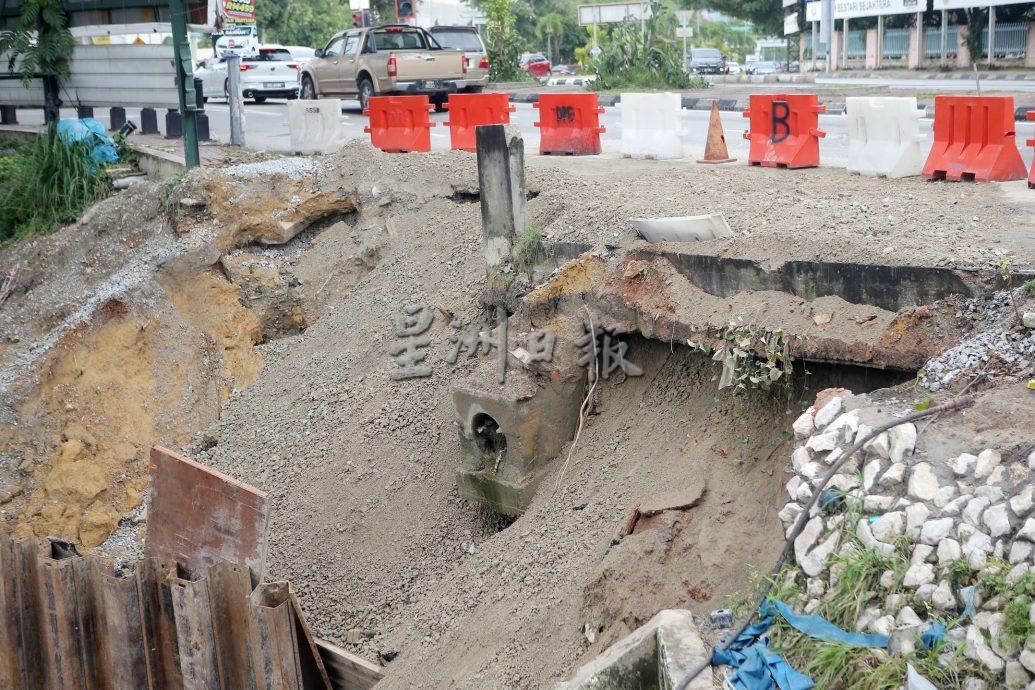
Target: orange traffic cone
<point>715,150</point>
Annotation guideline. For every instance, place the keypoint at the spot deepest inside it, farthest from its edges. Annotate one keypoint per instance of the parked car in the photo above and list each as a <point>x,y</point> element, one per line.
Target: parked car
<point>733,67</point>
<point>767,68</point>
<point>467,39</point>
<point>301,53</point>
<point>707,61</point>
<point>273,73</point>
<point>536,64</point>
<point>392,59</point>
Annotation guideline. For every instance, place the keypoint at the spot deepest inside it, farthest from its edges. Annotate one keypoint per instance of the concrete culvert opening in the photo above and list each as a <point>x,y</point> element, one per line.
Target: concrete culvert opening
<point>491,441</point>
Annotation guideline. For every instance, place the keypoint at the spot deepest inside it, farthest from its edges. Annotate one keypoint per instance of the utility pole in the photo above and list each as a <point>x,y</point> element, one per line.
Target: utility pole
<point>233,77</point>
<point>185,83</point>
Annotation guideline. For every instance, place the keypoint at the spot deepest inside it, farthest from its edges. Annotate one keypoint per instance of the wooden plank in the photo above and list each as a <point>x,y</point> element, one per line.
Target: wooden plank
<point>126,653</point>
<point>348,671</point>
<point>199,517</point>
<point>236,636</point>
<point>279,648</point>
<point>63,652</point>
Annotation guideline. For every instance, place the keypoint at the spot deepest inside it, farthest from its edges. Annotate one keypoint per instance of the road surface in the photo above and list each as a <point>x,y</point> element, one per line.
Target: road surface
<point>266,129</point>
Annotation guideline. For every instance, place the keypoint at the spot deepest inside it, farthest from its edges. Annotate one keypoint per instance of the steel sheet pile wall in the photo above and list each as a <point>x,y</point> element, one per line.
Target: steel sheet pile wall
<point>71,622</point>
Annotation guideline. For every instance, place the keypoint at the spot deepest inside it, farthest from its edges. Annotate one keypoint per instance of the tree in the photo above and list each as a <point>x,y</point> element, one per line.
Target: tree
<point>550,25</point>
<point>766,15</point>
<point>40,45</point>
<point>302,22</point>
<point>502,42</point>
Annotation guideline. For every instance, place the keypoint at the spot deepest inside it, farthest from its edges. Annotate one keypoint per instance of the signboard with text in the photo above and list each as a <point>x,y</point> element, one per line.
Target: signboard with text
<point>238,11</point>
<point>613,13</point>
<point>813,11</point>
<point>848,9</point>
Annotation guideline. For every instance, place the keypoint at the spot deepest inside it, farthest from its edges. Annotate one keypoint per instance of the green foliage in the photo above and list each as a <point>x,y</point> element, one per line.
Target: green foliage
<point>977,22</point>
<point>308,23</point>
<point>529,248</point>
<point>1029,286</point>
<point>752,361</point>
<point>765,15</point>
<point>502,41</point>
<point>1017,624</point>
<point>48,182</point>
<point>40,43</point>
<point>127,153</point>
<point>734,44</point>
<point>649,59</point>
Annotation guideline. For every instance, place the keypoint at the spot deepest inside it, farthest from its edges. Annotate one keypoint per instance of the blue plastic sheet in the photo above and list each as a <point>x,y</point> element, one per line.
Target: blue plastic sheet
<point>91,132</point>
<point>821,628</point>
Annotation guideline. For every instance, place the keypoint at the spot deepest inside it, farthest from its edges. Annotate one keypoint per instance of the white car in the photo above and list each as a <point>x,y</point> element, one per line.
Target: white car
<point>273,73</point>
<point>302,54</point>
<point>734,67</point>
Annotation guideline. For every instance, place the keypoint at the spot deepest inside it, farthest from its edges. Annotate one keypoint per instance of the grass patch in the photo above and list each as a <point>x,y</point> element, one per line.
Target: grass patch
<point>47,182</point>
<point>1029,286</point>
<point>529,249</point>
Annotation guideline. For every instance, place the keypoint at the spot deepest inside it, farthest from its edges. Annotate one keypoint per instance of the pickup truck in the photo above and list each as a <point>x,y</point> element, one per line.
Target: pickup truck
<point>380,60</point>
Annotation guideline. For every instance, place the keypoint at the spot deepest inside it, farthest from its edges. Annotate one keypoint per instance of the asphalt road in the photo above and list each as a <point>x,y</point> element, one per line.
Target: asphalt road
<point>935,85</point>
<point>266,129</point>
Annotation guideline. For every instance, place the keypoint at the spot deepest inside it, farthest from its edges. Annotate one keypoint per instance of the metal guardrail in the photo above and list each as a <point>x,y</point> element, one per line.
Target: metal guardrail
<point>856,44</point>
<point>933,42</point>
<point>1011,41</point>
<point>896,43</point>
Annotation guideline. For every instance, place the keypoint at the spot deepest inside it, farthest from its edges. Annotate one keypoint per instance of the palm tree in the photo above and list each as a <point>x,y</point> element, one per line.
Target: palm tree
<point>548,26</point>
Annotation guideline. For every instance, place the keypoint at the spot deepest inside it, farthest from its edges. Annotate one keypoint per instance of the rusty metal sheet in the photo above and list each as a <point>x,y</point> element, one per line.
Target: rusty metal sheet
<point>199,517</point>
<point>348,671</point>
<point>69,622</point>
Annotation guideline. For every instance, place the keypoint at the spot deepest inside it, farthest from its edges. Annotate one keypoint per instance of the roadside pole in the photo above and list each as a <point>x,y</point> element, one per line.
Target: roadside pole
<point>236,102</point>
<point>880,39</point>
<point>826,27</point>
<point>945,39</point>
<point>185,83</point>
<point>684,19</point>
<point>991,36</point>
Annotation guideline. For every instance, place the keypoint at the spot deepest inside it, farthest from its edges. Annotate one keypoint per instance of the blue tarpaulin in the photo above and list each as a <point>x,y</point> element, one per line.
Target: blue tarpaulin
<point>756,667</point>
<point>91,132</point>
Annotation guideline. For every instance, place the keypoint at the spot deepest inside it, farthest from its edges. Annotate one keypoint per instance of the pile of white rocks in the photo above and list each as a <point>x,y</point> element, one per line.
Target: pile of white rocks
<point>972,506</point>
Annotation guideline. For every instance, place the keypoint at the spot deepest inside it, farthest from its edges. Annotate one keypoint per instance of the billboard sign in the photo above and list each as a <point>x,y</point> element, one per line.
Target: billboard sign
<point>613,13</point>
<point>813,11</point>
<point>790,24</point>
<point>237,11</point>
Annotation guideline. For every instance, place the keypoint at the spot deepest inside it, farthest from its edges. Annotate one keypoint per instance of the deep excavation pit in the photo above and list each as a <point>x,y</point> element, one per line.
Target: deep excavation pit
<point>271,362</point>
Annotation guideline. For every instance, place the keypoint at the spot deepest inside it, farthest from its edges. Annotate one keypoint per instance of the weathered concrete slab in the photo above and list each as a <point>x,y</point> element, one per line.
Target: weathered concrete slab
<point>657,655</point>
<point>199,517</point>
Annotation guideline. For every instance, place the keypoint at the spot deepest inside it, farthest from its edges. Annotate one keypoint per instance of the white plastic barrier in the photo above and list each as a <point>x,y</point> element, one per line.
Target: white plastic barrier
<point>884,137</point>
<point>652,125</point>
<point>315,126</point>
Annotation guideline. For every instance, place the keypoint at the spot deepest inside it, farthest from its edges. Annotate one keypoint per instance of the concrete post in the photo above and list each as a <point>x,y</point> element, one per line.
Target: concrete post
<point>501,179</point>
<point>83,111</point>
<point>916,43</point>
<point>844,53</point>
<point>873,48</point>
<point>148,121</point>
<point>116,117</point>
<point>1029,53</point>
<point>834,51</point>
<point>991,36</point>
<point>233,75</point>
<point>944,60</point>
<point>173,124</point>
<point>880,40</point>
<point>8,115</point>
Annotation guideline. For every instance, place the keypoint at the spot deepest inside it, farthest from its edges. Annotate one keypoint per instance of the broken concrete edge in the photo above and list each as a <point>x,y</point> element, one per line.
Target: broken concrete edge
<point>657,654</point>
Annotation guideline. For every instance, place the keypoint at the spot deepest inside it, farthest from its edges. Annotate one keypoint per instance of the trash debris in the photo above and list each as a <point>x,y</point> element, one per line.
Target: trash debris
<point>712,226</point>
<point>721,618</point>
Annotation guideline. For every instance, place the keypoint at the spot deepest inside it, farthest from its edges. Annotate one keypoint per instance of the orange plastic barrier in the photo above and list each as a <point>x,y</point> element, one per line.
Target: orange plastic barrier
<point>399,123</point>
<point>784,130</point>
<point>1030,115</point>
<point>569,123</point>
<point>974,139</point>
<point>468,110</point>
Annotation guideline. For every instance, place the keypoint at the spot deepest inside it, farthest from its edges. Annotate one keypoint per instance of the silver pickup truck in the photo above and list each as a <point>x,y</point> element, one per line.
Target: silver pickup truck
<point>395,59</point>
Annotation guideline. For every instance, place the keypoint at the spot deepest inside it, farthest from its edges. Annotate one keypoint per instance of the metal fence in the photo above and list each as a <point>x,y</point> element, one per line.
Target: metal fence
<point>1011,41</point>
<point>933,42</point>
<point>821,47</point>
<point>857,44</point>
<point>896,43</point>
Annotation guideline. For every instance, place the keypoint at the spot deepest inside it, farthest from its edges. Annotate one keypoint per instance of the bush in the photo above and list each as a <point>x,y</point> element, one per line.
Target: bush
<point>49,181</point>
<point>650,60</point>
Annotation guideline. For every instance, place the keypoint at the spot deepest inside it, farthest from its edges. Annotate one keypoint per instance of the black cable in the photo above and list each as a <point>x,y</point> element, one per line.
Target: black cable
<point>803,518</point>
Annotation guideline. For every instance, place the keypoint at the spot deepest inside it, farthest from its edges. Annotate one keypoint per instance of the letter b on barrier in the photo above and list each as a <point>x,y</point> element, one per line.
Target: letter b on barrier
<point>974,139</point>
<point>784,130</point>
